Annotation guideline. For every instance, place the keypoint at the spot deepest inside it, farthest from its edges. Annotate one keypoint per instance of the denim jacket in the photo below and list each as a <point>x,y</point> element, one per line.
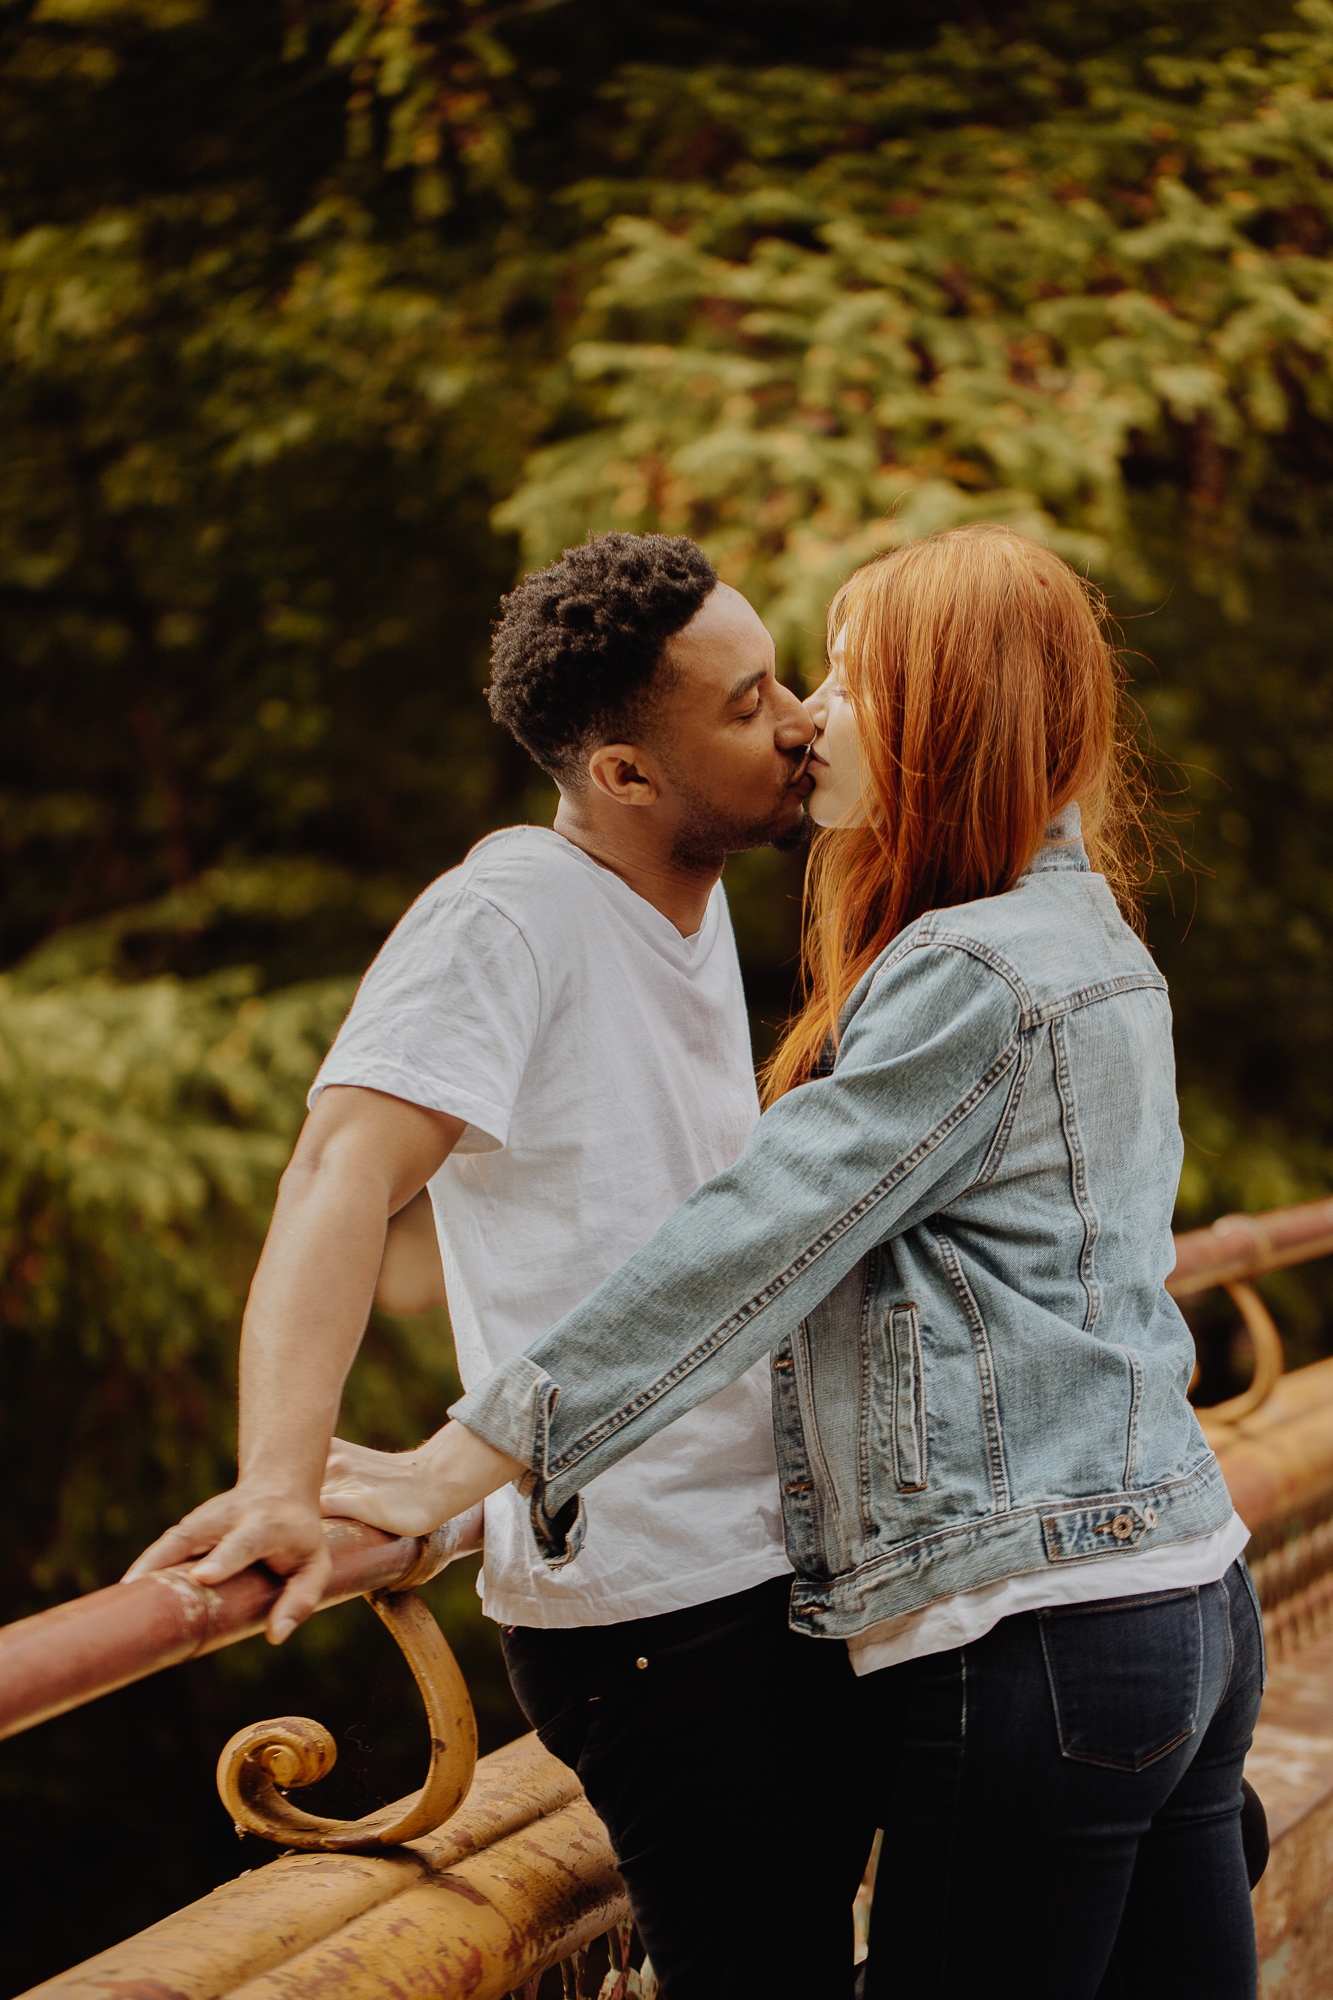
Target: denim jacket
<point>954,1246</point>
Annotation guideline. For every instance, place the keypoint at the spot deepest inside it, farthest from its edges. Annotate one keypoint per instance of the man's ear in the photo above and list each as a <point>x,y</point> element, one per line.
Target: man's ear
<point>625,773</point>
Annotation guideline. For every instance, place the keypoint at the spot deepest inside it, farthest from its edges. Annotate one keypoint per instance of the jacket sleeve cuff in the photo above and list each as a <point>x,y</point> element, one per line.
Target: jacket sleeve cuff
<point>512,1411</point>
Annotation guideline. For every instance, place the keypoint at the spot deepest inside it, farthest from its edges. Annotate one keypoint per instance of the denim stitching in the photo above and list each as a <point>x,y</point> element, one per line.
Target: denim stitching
<point>986,1371</point>
<point>1035,1013</point>
<point>1135,1404</point>
<point>743,1314</point>
<point>1198,1678</point>
<point>1231,1642</point>
<point>864,1480</point>
<point>990,1165</point>
<point>974,948</point>
<point>908,1392</point>
<point>1089,996</point>
<point>1078,1174</point>
<point>1054,1612</point>
<point>1206,1473</point>
<point>1252,1598</point>
<point>790,1439</point>
<point>825,1495</point>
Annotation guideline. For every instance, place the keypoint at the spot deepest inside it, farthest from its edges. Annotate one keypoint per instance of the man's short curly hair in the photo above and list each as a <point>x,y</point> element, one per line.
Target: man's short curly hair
<point>577,655</point>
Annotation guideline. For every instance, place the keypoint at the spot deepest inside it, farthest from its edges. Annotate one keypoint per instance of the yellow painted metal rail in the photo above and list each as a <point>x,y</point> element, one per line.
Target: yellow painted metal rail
<point>65,1657</point>
<point>521,1876</point>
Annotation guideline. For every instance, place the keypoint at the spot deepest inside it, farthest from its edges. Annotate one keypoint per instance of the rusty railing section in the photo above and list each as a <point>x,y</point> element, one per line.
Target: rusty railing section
<point>1274,1442</point>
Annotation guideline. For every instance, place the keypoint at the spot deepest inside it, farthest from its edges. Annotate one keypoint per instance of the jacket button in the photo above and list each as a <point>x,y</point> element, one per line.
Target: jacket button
<point>1122,1527</point>
<point>641,1662</point>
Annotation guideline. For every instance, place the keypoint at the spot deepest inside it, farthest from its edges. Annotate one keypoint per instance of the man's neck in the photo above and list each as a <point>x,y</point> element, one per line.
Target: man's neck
<point>631,853</point>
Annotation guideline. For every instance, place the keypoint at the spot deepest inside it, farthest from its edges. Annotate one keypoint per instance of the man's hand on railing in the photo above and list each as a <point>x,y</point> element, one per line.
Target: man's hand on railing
<point>361,1157</point>
<point>411,1492</point>
<point>248,1525</point>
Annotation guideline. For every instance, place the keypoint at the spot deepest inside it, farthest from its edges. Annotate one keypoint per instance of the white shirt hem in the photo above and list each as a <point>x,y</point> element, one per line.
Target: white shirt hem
<point>675,1592</point>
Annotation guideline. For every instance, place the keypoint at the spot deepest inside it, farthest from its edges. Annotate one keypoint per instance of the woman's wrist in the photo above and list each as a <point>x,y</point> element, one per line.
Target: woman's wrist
<point>459,1469</point>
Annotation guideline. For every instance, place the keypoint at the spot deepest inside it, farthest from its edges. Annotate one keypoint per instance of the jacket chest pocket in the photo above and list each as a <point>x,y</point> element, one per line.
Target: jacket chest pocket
<point>907,1400</point>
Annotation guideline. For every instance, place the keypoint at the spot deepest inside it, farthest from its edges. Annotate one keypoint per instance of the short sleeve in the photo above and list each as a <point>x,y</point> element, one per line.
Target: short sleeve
<point>446,1016</point>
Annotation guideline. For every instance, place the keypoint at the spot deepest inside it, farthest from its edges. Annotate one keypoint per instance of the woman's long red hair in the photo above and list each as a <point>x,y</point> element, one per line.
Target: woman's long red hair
<point>987,697</point>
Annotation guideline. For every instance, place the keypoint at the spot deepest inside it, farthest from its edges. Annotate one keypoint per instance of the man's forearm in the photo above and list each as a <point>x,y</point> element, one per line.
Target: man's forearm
<point>303,1324</point>
<point>361,1156</point>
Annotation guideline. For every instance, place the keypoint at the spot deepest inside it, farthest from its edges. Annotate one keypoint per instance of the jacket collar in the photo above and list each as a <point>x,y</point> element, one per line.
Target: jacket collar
<point>1062,845</point>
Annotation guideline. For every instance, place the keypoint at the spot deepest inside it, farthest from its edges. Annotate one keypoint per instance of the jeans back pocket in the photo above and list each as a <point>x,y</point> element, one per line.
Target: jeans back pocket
<point>1125,1676</point>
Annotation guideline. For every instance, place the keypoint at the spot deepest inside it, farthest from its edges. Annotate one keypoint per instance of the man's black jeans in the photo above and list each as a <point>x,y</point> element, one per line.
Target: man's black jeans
<point>1061,1805</point>
<point>719,1749</point>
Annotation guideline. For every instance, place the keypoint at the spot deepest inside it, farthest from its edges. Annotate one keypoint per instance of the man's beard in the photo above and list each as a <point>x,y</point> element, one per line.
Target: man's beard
<point>797,837</point>
<point>707,835</point>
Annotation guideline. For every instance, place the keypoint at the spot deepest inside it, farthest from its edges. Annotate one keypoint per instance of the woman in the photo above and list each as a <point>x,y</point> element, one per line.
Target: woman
<point>952,1229</point>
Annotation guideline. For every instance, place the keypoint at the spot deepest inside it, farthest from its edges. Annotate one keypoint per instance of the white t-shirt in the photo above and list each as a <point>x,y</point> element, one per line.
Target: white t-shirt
<point>602,1062</point>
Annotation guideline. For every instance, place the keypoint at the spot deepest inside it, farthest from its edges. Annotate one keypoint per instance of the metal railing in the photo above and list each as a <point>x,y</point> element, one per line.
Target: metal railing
<point>496,1871</point>
<point>1240,1247</point>
<point>1275,1440</point>
<point>490,1874</point>
<point>62,1658</point>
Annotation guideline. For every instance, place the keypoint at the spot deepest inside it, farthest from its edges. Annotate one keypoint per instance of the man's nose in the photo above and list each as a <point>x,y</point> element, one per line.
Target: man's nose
<point>793,730</point>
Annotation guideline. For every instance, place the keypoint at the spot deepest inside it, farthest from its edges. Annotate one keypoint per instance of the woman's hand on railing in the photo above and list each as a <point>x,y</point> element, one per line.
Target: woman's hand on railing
<point>249,1525</point>
<point>394,1490</point>
<point>411,1492</point>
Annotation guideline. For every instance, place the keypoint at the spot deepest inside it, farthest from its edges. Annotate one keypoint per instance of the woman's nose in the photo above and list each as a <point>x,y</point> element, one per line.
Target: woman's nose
<point>816,707</point>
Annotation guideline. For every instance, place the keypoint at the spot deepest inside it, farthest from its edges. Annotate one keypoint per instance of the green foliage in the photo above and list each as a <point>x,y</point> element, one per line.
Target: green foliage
<point>145,1129</point>
<point>974,282</point>
<point>248,440</point>
<point>1246,710</point>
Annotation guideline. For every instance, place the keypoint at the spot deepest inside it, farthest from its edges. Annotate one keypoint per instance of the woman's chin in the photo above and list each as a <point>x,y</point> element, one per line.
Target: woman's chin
<point>829,818</point>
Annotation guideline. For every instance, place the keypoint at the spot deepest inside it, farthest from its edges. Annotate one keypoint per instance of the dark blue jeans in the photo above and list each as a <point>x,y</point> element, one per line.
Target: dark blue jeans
<point>719,1748</point>
<point>1061,1805</point>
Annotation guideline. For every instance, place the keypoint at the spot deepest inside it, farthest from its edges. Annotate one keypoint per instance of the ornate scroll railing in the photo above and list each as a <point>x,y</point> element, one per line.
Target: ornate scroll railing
<point>489,1878</point>
<point>71,1655</point>
<point>1234,1251</point>
<point>1275,1441</point>
<point>483,1879</point>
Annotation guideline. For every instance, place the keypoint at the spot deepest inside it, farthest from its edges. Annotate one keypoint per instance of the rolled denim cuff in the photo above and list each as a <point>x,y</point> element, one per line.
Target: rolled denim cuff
<point>512,1411</point>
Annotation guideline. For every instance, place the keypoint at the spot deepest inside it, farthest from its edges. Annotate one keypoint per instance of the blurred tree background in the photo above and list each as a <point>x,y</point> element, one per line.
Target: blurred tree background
<point>319,322</point>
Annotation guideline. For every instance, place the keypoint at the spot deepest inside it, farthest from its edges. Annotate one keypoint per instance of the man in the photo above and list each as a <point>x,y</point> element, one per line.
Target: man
<point>554,1039</point>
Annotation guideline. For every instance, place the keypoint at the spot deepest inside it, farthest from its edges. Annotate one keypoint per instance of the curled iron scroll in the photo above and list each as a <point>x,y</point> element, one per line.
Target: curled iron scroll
<point>1269,1362</point>
<point>262,1763</point>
